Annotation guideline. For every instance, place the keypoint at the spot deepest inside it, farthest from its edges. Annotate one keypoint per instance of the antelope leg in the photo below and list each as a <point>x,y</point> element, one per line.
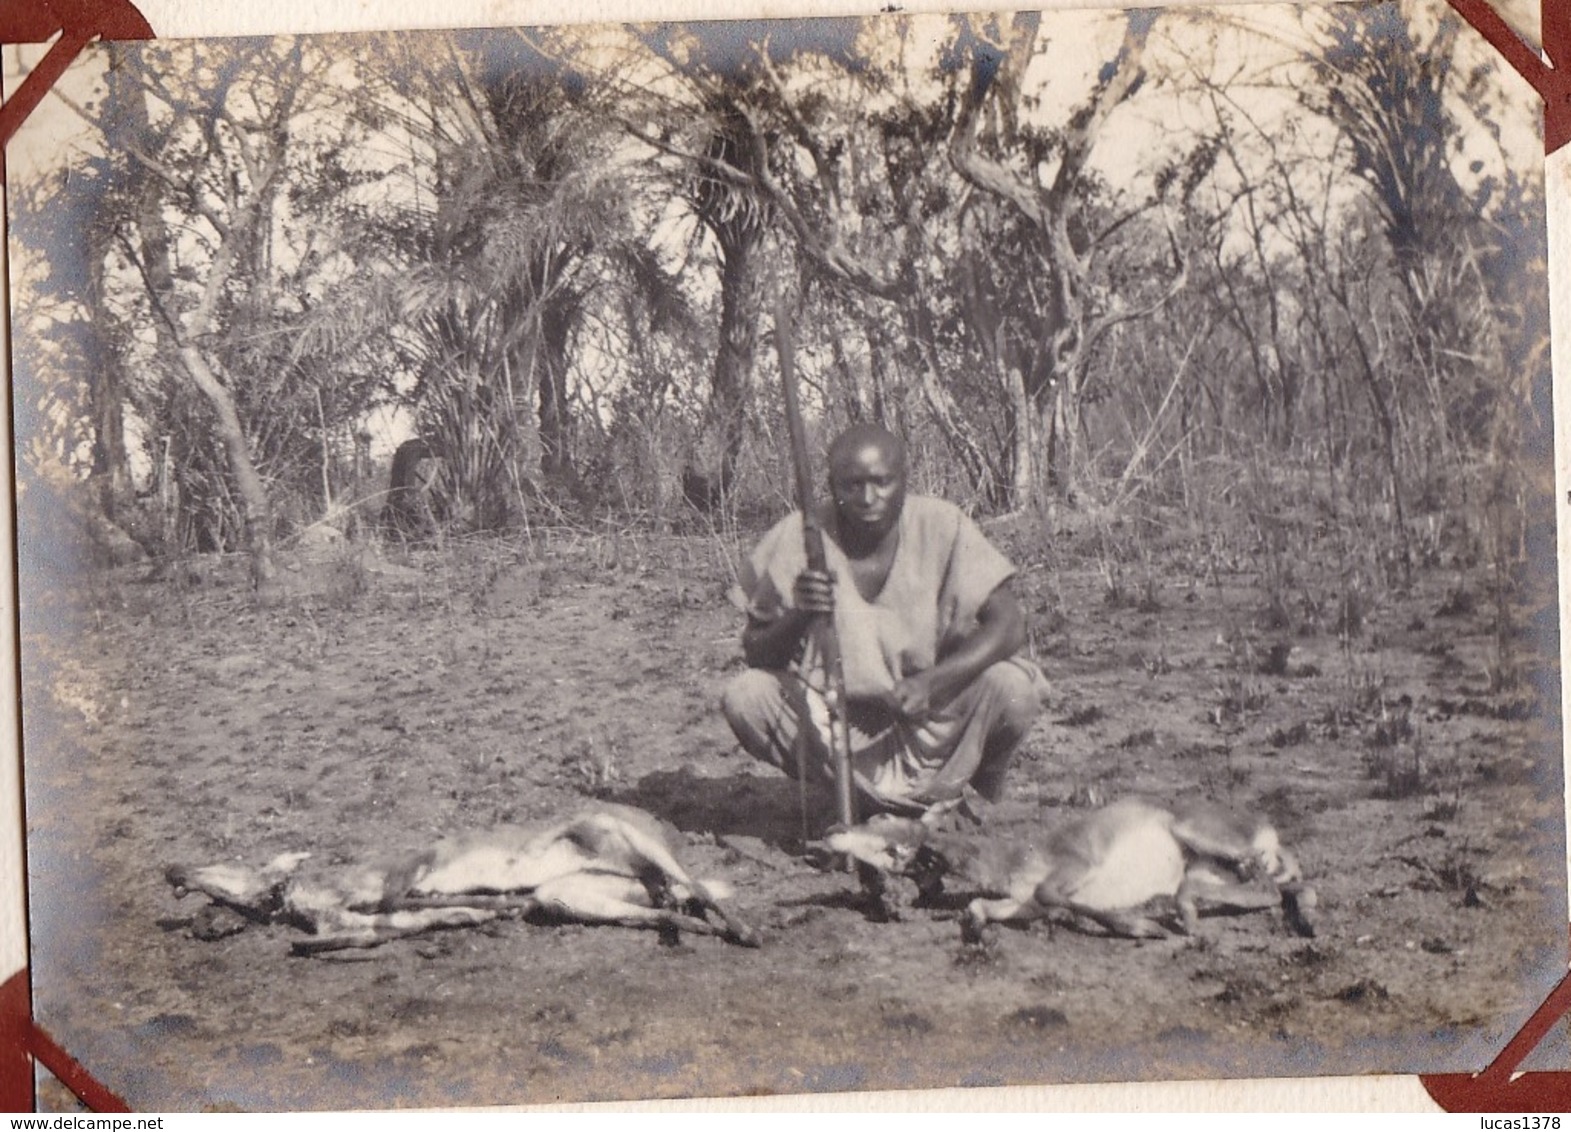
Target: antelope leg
<point>979,913</point>
<point>606,898</point>
<point>1131,925</point>
<point>364,931</point>
<point>498,901</point>
<point>736,931</point>
<point>1205,840</point>
<point>1119,922</point>
<point>1214,894</point>
<point>661,860</point>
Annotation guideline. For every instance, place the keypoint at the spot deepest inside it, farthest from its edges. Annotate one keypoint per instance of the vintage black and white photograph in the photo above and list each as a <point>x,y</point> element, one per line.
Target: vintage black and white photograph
<point>760,557</point>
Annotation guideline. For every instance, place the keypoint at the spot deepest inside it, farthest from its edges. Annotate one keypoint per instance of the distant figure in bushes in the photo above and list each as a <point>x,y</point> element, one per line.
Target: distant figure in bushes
<point>938,696</point>
<point>705,494</point>
<point>410,509</point>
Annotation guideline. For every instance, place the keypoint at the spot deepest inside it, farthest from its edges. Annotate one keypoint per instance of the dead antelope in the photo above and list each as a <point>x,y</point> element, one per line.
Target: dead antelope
<point>1105,865</point>
<point>609,865</point>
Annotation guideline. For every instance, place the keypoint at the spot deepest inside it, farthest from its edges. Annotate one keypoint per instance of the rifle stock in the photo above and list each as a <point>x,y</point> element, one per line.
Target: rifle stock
<point>822,630</point>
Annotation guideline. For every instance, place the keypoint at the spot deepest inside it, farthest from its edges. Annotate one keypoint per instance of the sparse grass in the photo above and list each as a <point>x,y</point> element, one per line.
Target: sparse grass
<point>1398,772</point>
<point>1114,595</point>
<point>979,953</point>
<point>1362,693</point>
<point>1088,796</point>
<point>1083,716</point>
<point>1045,630</point>
<point>1394,757</point>
<point>1049,617</point>
<point>1459,602</point>
<point>347,581</point>
<point>1312,613</point>
<point>1274,616</point>
<point>1224,780</point>
<point>1275,661</point>
<point>1504,674</point>
<point>1363,992</point>
<point>595,765</point>
<point>1110,557</point>
<point>1392,729</point>
<point>480,762</point>
<point>1454,872</point>
<point>1198,751</point>
<point>1157,665</point>
<point>1291,736</point>
<point>320,635</point>
<point>1237,696</point>
<point>1352,612</point>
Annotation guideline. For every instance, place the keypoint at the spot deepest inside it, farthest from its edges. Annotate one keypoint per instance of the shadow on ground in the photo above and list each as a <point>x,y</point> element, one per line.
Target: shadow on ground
<point>768,808</point>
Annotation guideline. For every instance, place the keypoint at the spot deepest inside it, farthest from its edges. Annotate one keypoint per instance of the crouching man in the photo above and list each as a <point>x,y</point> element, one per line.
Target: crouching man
<point>929,631</point>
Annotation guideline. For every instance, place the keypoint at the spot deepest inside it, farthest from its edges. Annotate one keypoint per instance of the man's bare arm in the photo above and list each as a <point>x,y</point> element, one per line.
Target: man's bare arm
<point>773,644</point>
<point>1000,633</point>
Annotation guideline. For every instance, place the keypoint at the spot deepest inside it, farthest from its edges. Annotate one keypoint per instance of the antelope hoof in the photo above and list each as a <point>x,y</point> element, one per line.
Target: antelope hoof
<point>1299,905</point>
<point>875,893</point>
<point>973,927</point>
<point>744,936</point>
<point>928,873</point>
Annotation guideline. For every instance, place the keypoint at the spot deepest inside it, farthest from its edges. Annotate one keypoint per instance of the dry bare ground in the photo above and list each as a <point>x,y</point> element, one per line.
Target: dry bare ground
<point>391,699</point>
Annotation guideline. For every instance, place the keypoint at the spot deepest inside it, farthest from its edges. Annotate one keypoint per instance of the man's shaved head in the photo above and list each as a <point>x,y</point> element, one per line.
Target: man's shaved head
<point>864,435</point>
<point>867,478</point>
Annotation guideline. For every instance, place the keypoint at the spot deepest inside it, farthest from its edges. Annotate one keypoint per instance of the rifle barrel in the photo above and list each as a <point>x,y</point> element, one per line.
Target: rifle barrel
<point>823,629</point>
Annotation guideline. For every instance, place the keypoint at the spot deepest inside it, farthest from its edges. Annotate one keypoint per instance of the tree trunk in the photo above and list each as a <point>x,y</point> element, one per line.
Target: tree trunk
<point>740,282</point>
<point>1063,462</point>
<point>106,390</point>
<point>852,381</point>
<point>1023,416</point>
<point>110,476</point>
<point>957,433</point>
<point>255,511</point>
<point>157,263</point>
<point>556,418</point>
<point>1388,446</point>
<point>1051,210</point>
<point>878,373</point>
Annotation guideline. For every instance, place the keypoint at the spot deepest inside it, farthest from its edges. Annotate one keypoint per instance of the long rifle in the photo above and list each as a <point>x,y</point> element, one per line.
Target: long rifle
<point>821,631</point>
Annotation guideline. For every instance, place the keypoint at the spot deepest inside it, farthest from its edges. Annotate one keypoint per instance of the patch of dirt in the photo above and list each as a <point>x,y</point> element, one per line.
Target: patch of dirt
<point>375,710</point>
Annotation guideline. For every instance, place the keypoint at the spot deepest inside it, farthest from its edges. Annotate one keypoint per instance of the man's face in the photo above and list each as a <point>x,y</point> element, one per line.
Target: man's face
<point>869,486</point>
